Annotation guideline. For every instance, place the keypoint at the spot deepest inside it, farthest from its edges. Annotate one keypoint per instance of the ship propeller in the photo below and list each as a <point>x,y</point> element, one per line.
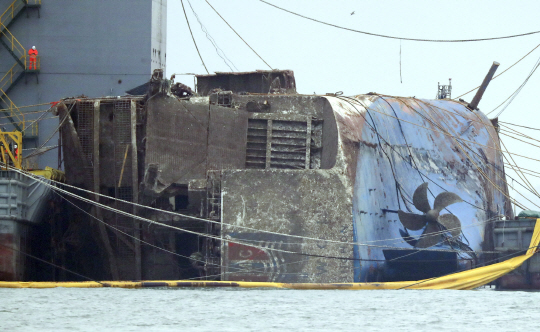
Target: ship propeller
<point>432,220</point>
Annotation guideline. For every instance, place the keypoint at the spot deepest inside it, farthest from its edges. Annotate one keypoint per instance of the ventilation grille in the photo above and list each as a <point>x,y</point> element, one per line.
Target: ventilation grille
<point>279,143</point>
<point>290,140</point>
<point>256,143</point>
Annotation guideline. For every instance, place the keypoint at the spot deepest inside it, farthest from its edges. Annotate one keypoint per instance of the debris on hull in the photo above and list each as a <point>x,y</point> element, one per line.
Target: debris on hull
<point>294,188</point>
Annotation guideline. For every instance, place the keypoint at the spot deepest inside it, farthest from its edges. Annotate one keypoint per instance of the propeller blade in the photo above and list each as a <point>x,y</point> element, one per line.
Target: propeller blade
<point>430,237</point>
<point>412,221</point>
<point>420,199</point>
<point>451,222</point>
<point>408,238</point>
<point>444,199</point>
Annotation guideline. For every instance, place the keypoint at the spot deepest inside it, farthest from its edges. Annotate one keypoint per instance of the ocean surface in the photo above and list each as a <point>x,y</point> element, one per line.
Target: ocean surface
<point>166,309</point>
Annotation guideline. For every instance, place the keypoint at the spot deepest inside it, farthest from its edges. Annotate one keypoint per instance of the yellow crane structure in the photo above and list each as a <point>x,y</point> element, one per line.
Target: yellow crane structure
<point>11,148</point>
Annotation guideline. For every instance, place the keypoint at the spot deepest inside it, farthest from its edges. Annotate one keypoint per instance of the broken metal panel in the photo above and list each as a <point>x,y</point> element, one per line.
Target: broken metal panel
<point>221,98</point>
<point>176,141</point>
<point>103,131</point>
<point>226,138</point>
<point>310,203</point>
<point>346,164</point>
<point>183,140</point>
<point>261,81</point>
<point>282,104</point>
<point>390,150</point>
<point>71,147</point>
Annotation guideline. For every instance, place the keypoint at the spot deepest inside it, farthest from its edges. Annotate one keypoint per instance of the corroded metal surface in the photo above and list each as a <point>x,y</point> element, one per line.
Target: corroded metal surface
<point>175,130</point>
<point>332,171</point>
<point>387,147</point>
<point>260,81</point>
<point>404,142</point>
<point>310,203</point>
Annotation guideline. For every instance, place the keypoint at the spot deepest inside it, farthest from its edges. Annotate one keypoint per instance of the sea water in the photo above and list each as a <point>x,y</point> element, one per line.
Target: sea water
<point>216,310</point>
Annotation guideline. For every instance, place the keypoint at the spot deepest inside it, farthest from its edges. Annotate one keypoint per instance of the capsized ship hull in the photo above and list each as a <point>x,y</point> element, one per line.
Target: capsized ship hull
<point>385,148</point>
<point>402,143</point>
<point>293,188</point>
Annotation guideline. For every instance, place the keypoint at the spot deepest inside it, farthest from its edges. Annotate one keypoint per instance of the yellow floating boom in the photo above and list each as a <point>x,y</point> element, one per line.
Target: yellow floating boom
<point>469,279</point>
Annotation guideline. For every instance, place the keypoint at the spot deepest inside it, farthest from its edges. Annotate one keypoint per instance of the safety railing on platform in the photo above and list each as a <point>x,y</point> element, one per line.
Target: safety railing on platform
<point>28,128</point>
<point>11,75</point>
<point>23,63</point>
<point>19,52</point>
<point>12,109</point>
<point>33,2</point>
<point>32,66</point>
<point>12,10</point>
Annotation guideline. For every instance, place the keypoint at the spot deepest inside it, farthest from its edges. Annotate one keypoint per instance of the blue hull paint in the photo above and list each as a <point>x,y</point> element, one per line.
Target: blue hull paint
<point>403,143</point>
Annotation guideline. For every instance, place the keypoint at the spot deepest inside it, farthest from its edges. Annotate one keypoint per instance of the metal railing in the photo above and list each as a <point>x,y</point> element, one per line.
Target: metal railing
<point>14,72</point>
<point>27,127</point>
<point>12,109</point>
<point>30,128</point>
<point>37,63</point>
<point>33,2</point>
<point>12,10</point>
<point>14,45</point>
<point>10,76</point>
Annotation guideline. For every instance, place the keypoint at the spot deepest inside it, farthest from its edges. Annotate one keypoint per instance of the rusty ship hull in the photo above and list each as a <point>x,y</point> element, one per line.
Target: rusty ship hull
<point>290,187</point>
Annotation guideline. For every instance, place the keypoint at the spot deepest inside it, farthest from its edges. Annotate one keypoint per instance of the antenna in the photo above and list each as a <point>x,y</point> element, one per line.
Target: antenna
<point>444,91</point>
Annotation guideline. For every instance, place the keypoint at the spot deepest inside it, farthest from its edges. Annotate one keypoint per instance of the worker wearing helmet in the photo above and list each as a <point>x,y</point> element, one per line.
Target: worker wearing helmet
<point>16,151</point>
<point>33,57</point>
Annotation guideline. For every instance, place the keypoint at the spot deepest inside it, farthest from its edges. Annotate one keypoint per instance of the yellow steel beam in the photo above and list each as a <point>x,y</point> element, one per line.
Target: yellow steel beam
<point>7,143</point>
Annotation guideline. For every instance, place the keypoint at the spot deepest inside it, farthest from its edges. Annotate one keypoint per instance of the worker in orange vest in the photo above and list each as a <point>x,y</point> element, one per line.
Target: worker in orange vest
<point>33,57</point>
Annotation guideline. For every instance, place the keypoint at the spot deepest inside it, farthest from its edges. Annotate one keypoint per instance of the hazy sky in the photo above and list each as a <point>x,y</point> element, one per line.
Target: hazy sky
<point>327,59</point>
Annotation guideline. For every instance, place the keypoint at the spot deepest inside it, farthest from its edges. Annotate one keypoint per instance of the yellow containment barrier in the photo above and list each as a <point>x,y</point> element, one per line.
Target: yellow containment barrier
<point>469,279</point>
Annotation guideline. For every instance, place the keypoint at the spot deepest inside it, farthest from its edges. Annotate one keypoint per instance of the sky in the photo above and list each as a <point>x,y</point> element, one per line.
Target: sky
<point>326,59</point>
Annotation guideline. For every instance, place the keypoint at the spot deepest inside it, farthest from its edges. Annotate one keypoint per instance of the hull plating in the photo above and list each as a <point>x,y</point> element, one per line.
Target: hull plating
<point>402,143</point>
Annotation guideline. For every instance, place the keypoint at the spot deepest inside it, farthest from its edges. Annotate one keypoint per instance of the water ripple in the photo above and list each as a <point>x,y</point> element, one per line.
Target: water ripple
<point>113,309</point>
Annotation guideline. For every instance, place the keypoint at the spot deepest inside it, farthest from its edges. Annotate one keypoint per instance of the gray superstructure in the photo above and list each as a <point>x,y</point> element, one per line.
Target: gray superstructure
<point>95,47</point>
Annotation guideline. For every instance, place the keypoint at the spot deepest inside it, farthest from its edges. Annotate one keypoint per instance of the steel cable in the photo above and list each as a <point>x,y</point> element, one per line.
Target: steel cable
<point>515,93</point>
<point>97,204</point>
<point>194,42</point>
<point>515,63</point>
<point>245,42</point>
<point>209,37</point>
<point>402,38</point>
